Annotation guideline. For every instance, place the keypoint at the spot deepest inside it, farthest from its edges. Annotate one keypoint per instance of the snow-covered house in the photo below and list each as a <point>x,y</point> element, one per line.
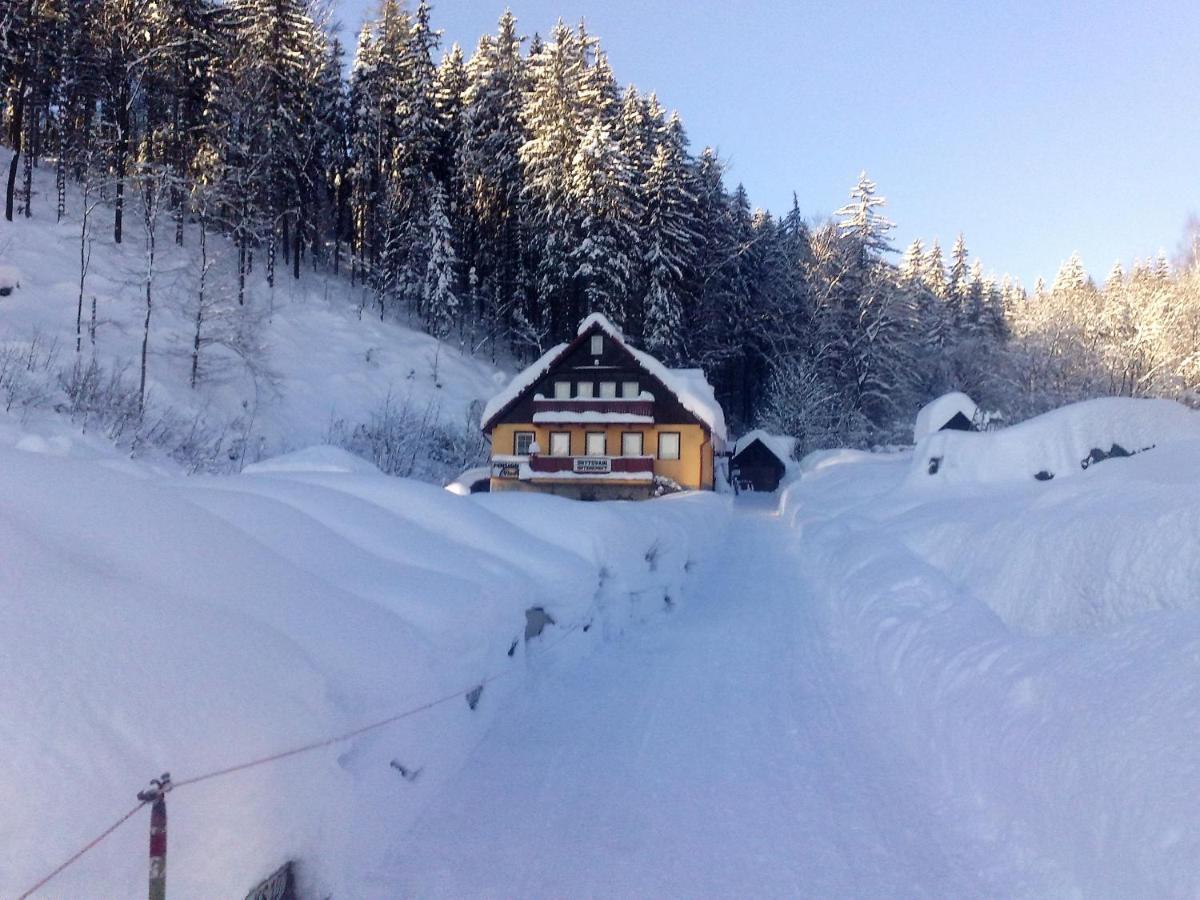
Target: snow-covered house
<point>595,418</point>
<point>954,412</point>
<point>760,460</point>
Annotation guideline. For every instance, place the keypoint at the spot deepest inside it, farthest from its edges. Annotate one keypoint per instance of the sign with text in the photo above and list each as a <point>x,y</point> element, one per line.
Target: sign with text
<point>592,465</point>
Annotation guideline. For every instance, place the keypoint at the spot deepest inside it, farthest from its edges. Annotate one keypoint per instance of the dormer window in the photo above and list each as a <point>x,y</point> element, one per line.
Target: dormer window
<point>597,344</point>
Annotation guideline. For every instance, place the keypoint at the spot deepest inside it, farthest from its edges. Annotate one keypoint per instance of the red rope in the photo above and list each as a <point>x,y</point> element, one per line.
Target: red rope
<point>88,846</point>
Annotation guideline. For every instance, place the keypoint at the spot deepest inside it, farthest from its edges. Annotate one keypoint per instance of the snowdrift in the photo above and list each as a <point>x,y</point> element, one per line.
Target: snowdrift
<point>1035,646</point>
<point>156,623</point>
<point>1057,444</point>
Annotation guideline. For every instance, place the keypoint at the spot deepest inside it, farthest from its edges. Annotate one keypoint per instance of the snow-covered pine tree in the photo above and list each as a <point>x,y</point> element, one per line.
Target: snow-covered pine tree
<point>933,274</point>
<point>489,169</point>
<point>603,258</point>
<point>551,218</point>
<point>912,263</point>
<point>441,304</point>
<point>861,220</point>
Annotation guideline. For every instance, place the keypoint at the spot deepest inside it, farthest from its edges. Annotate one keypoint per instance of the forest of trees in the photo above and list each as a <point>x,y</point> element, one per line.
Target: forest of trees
<point>497,198</point>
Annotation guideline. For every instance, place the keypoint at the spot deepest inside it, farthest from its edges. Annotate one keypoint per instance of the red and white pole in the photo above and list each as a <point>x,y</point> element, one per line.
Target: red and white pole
<point>158,835</point>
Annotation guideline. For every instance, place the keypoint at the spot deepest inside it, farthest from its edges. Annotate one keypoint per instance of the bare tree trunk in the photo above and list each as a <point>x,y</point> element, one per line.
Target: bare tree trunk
<point>27,186</point>
<point>85,258</point>
<point>151,199</point>
<point>16,131</point>
<point>200,296</point>
<point>297,239</point>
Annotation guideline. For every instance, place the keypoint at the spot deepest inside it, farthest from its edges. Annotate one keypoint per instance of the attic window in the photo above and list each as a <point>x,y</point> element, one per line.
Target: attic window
<point>562,390</point>
<point>629,390</point>
<point>597,344</point>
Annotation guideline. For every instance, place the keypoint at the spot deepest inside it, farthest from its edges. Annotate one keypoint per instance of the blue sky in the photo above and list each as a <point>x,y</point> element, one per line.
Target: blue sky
<point>1035,128</point>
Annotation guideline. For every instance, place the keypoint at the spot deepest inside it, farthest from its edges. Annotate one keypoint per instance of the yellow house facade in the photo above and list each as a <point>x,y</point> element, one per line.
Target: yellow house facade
<point>595,418</point>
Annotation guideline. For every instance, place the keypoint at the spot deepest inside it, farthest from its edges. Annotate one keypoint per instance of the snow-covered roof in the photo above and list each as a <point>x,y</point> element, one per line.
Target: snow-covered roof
<point>935,414</point>
<point>523,381</point>
<point>780,444</point>
<point>690,386</point>
<point>691,389</point>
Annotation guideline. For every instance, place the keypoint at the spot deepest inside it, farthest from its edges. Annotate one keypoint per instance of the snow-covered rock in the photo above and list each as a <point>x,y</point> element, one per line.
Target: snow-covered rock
<point>10,279</point>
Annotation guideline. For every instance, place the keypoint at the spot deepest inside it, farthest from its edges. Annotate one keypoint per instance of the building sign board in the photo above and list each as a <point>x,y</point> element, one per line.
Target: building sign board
<point>592,465</point>
<point>506,470</point>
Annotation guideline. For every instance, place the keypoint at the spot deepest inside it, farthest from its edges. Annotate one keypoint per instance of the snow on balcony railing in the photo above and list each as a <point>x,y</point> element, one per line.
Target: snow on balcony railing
<point>606,410</point>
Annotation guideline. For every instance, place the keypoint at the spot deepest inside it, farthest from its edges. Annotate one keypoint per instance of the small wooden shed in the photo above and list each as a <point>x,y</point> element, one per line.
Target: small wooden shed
<point>950,412</point>
<point>760,460</point>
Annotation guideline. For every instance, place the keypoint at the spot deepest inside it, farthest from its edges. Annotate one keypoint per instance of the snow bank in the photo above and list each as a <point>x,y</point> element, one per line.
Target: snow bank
<point>1058,444</point>
<point>934,415</point>
<point>1035,646</point>
<point>154,623</point>
<point>320,458</point>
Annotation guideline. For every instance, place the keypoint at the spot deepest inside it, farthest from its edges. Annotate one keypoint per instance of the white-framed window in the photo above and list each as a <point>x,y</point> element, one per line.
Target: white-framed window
<point>596,445</point>
<point>562,390</point>
<point>608,390</point>
<point>629,390</point>
<point>522,441</point>
<point>560,443</point>
<point>631,443</point>
<point>668,445</point>
<point>597,344</point>
<point>585,389</point>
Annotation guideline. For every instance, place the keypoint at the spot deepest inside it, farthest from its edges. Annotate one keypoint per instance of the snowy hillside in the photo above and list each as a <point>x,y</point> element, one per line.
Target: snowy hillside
<point>299,363</point>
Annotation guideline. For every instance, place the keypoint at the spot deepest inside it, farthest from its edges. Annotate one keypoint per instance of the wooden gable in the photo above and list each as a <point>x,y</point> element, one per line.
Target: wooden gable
<point>576,363</point>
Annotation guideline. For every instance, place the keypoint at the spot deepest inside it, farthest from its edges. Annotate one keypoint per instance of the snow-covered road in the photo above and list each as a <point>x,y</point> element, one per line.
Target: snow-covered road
<point>721,754</point>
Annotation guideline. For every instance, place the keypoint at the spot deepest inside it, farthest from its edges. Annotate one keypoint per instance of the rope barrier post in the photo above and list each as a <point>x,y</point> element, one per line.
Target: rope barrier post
<point>157,795</point>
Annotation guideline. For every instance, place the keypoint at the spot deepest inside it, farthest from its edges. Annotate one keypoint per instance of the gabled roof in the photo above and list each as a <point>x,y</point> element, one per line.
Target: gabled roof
<point>781,446</point>
<point>690,386</point>
<point>936,414</point>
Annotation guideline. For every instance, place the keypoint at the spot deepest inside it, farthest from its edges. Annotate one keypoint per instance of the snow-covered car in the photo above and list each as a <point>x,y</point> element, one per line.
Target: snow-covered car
<point>472,481</point>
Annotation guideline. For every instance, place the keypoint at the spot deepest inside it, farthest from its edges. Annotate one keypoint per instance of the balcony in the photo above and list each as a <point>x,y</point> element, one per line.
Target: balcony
<point>589,410</point>
<point>617,468</point>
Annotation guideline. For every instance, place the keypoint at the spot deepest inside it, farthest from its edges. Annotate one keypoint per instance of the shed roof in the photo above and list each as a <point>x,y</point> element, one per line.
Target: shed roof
<point>780,445</point>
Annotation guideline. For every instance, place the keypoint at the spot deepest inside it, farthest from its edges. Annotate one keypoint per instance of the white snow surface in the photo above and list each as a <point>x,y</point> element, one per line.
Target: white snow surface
<point>591,416</point>
<point>872,685</point>
<point>155,622</point>
<point>936,413</point>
